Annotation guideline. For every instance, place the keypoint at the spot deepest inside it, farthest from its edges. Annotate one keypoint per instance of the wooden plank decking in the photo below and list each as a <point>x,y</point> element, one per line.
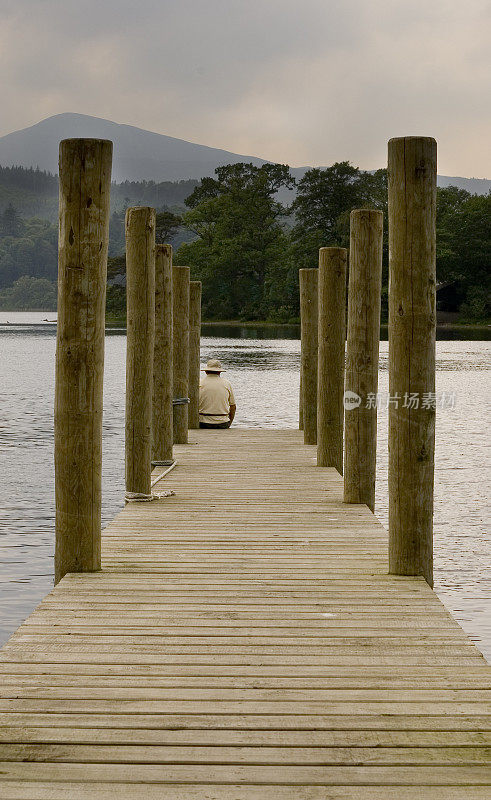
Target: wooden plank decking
<point>244,642</point>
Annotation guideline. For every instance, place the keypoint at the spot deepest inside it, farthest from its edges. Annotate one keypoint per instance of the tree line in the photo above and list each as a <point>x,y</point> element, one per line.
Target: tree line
<point>246,246</point>
<point>249,247</point>
<point>34,193</point>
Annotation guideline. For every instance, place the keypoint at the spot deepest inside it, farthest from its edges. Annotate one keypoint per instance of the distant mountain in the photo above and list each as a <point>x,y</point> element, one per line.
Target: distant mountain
<point>138,154</point>
<point>472,185</point>
<point>142,155</point>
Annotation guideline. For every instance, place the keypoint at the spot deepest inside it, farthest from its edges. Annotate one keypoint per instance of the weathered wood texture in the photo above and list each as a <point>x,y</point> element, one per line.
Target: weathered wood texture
<point>300,396</point>
<point>412,326</point>
<point>332,336</point>
<point>360,421</point>
<point>308,358</point>
<point>194,352</point>
<point>162,429</point>
<point>140,333</point>
<point>85,182</point>
<point>180,321</point>
<point>244,642</point>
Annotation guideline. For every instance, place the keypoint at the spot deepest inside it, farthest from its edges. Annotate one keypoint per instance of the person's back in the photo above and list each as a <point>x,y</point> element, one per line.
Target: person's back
<point>216,398</point>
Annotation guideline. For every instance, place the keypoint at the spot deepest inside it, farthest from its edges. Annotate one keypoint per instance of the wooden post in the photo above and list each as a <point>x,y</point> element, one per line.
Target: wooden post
<point>180,302</point>
<point>360,418</point>
<point>162,432</point>
<point>412,281</point>
<point>308,365</point>
<point>140,304</point>
<point>85,182</point>
<point>194,352</point>
<point>300,397</point>
<point>300,388</point>
<point>332,335</point>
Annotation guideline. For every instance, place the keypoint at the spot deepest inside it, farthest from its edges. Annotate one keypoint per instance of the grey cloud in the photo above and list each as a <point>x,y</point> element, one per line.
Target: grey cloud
<point>308,82</point>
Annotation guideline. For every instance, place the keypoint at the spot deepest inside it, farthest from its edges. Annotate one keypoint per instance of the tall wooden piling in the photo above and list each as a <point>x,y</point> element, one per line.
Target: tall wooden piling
<point>362,350</point>
<point>332,335</point>
<point>162,429</point>
<point>412,224</point>
<point>194,352</point>
<point>85,182</point>
<point>300,397</point>
<point>140,303</point>
<point>180,304</point>
<point>308,358</point>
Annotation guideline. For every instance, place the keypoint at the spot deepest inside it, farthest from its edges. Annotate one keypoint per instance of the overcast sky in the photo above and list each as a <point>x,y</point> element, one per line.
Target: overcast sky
<point>296,81</point>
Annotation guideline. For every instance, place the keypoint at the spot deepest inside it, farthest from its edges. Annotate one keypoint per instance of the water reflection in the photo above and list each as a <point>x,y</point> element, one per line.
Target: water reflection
<point>36,323</point>
<point>261,331</point>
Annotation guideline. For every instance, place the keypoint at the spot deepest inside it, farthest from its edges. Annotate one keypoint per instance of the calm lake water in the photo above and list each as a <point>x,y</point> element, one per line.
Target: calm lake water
<point>265,375</point>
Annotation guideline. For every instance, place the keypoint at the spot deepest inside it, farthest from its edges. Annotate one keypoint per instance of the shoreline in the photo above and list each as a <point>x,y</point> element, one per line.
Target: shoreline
<point>120,322</point>
<point>267,324</point>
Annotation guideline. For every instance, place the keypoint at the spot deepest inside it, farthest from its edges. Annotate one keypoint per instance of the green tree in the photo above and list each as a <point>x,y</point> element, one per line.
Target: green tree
<point>116,233</point>
<point>167,225</point>
<point>324,200</point>
<point>322,210</point>
<point>242,246</point>
<point>450,209</point>
<point>33,252</point>
<point>116,266</point>
<point>29,294</point>
<point>11,222</point>
<point>115,303</point>
<point>464,249</point>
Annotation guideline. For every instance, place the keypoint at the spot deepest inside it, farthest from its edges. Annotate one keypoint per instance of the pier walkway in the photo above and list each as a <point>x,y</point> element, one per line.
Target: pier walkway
<point>244,642</point>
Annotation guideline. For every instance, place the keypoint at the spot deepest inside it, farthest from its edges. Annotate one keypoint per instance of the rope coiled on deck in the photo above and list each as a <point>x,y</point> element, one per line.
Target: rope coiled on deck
<point>139,497</point>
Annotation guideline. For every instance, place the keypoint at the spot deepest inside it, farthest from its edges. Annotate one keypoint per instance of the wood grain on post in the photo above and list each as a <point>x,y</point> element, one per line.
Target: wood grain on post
<point>300,396</point>
<point>180,303</point>
<point>300,388</point>
<point>360,421</point>
<point>162,431</point>
<point>140,304</point>
<point>194,352</point>
<point>412,323</point>
<point>332,335</point>
<point>85,182</point>
<point>308,358</point>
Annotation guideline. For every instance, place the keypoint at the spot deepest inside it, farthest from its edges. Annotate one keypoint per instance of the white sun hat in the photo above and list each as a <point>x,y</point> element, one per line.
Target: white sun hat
<point>213,365</point>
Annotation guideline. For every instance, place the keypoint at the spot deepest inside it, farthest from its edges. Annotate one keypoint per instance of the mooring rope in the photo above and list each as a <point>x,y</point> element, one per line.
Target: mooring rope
<point>163,474</point>
<point>140,497</point>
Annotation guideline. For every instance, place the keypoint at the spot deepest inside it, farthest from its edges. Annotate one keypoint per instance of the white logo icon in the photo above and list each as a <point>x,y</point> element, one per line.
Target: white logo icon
<point>351,400</point>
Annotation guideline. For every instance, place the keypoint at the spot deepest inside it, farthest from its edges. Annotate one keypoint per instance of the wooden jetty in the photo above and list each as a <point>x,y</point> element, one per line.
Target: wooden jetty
<point>244,641</point>
<point>257,634</point>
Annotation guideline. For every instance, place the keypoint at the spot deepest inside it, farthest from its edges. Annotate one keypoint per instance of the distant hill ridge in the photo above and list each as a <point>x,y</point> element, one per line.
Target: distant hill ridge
<point>143,155</point>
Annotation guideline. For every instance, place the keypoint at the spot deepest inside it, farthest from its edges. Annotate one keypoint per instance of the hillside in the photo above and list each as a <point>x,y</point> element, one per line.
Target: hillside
<point>141,155</point>
<point>138,154</point>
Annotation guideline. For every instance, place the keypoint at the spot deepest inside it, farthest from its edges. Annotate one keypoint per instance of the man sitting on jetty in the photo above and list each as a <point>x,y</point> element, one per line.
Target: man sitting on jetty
<point>216,398</point>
